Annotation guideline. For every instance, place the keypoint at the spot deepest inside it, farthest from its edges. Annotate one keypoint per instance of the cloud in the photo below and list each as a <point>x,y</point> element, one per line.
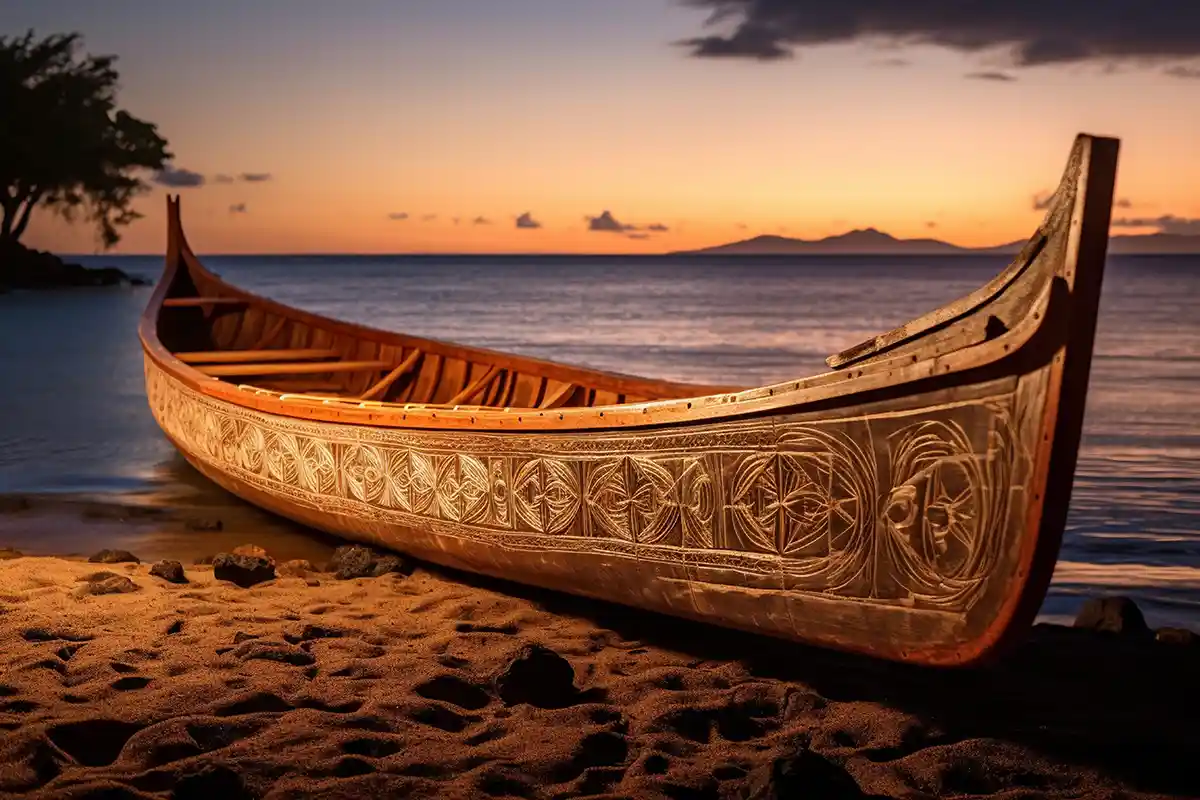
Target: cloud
<point>178,178</point>
<point>254,177</point>
<point>607,222</point>
<point>638,235</point>
<point>931,224</point>
<point>1123,202</point>
<point>428,217</point>
<point>893,62</point>
<point>1167,223</point>
<point>481,221</point>
<point>238,208</point>
<point>1029,32</point>
<point>657,227</point>
<point>526,220</point>
<point>398,216</point>
<point>998,77</point>
<point>221,177</point>
<point>1184,72</point>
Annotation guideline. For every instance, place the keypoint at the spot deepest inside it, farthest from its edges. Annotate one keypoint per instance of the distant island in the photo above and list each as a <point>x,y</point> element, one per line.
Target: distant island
<point>872,242</point>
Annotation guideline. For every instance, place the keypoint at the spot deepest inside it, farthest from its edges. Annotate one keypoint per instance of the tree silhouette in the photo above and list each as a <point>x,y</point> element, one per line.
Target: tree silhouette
<point>64,144</point>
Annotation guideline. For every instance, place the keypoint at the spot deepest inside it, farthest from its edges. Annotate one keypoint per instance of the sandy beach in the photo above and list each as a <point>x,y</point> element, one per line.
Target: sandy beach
<point>426,683</point>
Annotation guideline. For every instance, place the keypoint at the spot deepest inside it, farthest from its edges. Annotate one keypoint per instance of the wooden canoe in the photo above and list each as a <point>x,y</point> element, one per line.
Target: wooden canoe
<point>908,504</point>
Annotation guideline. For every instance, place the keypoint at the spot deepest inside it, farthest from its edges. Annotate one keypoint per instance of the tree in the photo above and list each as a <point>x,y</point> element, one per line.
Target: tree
<point>64,145</point>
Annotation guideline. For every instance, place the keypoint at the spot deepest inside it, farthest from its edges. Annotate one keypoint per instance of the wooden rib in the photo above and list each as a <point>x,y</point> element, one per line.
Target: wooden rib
<point>439,364</point>
<point>386,381</point>
<point>179,302</point>
<point>478,385</point>
<point>294,368</point>
<point>559,396</point>
<point>244,356</point>
<point>271,333</point>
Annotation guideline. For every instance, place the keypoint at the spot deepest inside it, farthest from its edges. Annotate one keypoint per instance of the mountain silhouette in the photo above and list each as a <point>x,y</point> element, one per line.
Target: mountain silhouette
<point>871,241</point>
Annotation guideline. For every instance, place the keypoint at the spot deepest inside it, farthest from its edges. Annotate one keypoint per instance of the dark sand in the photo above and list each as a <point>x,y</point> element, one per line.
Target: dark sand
<point>387,687</point>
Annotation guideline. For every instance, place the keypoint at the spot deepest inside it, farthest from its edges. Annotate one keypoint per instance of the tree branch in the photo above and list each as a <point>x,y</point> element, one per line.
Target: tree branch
<point>33,198</point>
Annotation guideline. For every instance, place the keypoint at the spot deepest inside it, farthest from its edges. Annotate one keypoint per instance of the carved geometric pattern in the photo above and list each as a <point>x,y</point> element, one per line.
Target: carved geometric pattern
<point>894,508</point>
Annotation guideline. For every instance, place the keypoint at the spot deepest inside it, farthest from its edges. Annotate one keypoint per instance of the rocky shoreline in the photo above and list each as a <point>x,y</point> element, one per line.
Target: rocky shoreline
<point>372,675</point>
<point>24,268</point>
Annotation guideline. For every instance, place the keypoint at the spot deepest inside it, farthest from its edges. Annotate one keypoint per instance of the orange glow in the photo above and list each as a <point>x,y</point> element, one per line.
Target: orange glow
<point>809,149</point>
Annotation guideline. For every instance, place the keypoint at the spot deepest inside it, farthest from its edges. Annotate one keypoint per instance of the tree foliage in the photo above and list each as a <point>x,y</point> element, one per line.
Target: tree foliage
<point>64,144</point>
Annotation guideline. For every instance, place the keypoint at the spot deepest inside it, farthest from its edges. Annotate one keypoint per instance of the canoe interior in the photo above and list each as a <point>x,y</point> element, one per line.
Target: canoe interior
<point>236,337</point>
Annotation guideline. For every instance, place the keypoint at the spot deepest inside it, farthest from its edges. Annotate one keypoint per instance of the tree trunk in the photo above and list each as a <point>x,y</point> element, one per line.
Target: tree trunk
<point>26,213</point>
<point>9,219</point>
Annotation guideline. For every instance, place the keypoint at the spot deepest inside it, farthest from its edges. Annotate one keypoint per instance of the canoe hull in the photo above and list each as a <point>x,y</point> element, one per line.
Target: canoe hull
<point>894,528</point>
<point>908,505</point>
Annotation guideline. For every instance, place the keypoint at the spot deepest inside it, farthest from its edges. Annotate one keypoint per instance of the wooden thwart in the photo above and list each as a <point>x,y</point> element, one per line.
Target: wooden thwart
<point>245,356</point>
<point>294,368</point>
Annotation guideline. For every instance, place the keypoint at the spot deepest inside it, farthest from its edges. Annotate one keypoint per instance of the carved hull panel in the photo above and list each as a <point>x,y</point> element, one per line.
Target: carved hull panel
<point>909,506</point>
<point>814,527</point>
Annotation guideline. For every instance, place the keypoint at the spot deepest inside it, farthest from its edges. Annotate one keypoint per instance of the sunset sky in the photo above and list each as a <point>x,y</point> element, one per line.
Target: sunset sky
<point>793,117</point>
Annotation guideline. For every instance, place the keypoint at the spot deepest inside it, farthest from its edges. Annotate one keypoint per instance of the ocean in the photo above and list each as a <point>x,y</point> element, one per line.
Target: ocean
<point>73,416</point>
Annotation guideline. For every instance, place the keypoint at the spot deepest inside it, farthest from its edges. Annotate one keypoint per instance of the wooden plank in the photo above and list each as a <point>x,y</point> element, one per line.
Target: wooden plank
<point>427,382</point>
<point>270,334</point>
<point>478,385</point>
<point>559,396</point>
<point>244,356</point>
<point>386,381</point>
<point>294,368</point>
<point>184,302</point>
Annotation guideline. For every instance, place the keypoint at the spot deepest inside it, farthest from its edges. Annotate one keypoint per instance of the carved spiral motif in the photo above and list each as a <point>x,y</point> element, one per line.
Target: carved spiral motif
<point>944,511</point>
<point>365,471</point>
<point>252,449</point>
<point>633,499</point>
<point>697,504</point>
<point>546,495</point>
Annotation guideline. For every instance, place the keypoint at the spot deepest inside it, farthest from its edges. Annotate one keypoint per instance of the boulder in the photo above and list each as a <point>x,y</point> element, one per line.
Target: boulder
<point>803,774</point>
<point>356,561</point>
<point>169,571</point>
<point>1177,636</point>
<point>1113,615</point>
<point>537,676</point>
<point>107,556</point>
<point>244,571</point>
<point>114,584</point>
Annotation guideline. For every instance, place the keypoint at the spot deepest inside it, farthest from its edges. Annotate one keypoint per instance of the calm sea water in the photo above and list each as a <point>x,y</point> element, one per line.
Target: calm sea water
<point>73,416</point>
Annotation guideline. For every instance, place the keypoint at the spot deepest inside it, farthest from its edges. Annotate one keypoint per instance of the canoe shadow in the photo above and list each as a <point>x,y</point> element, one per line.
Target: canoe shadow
<point>1128,708</point>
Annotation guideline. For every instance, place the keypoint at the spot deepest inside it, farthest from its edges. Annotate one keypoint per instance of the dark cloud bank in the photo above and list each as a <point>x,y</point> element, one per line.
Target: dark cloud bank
<point>179,178</point>
<point>607,223</point>
<point>1031,33</point>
